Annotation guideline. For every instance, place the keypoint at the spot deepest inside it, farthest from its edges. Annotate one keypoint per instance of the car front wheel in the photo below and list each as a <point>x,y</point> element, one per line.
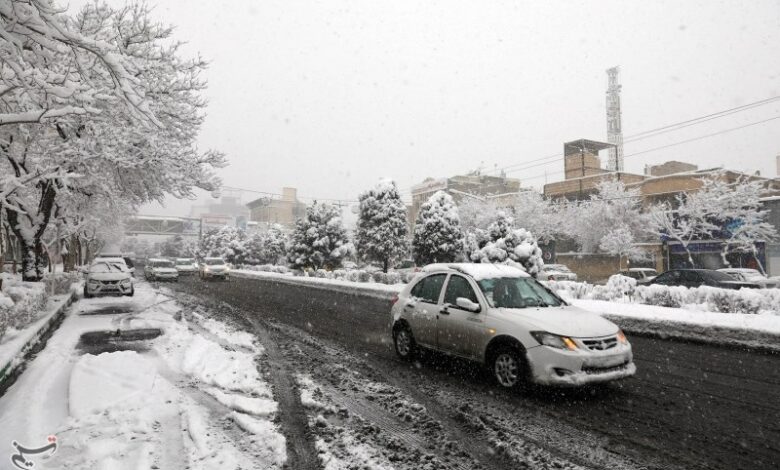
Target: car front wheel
<point>509,368</point>
<point>405,346</point>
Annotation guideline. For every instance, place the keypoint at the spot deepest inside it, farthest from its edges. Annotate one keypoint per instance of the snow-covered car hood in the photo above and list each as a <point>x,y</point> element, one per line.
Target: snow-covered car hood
<point>566,321</point>
<point>108,276</point>
<point>216,267</point>
<point>165,270</point>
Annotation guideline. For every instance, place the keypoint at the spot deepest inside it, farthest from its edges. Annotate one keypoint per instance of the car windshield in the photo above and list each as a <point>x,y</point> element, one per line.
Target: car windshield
<point>213,262</point>
<point>517,292</point>
<point>106,267</point>
<point>405,265</point>
<point>183,261</point>
<point>162,264</point>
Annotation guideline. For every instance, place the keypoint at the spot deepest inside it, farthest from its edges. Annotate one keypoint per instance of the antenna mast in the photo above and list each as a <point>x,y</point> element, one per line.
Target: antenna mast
<point>614,126</point>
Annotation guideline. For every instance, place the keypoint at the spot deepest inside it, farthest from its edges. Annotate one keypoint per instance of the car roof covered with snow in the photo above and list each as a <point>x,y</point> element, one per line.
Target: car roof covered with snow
<point>739,270</point>
<point>478,271</point>
<point>636,270</point>
<point>107,259</point>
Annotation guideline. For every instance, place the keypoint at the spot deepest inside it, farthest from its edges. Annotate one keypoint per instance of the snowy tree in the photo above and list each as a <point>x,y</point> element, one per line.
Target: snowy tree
<point>538,215</point>
<point>179,247</point>
<point>382,225</point>
<point>477,213</point>
<point>609,214</point>
<point>438,237</point>
<point>95,108</point>
<point>507,244</point>
<point>225,242</point>
<point>274,245</point>
<point>731,211</point>
<point>319,239</point>
<point>620,242</point>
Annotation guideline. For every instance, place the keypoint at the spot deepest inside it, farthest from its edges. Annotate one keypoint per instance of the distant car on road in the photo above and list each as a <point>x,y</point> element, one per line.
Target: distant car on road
<point>501,317</point>
<point>214,268</point>
<point>557,272</point>
<point>752,276</point>
<point>159,269</point>
<point>107,277</point>
<point>642,275</point>
<point>701,277</point>
<point>186,266</point>
<point>406,266</point>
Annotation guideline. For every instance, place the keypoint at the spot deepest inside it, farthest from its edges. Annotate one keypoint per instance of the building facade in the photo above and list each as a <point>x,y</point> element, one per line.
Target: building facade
<point>463,186</point>
<point>284,210</point>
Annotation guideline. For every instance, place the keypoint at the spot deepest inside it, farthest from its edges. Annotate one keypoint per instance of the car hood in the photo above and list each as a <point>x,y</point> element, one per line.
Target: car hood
<point>108,276</point>
<point>566,321</point>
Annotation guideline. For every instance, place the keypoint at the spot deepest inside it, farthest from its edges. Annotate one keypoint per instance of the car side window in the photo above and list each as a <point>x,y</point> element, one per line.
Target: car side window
<point>429,288</point>
<point>668,277</point>
<point>458,286</point>
<point>691,276</point>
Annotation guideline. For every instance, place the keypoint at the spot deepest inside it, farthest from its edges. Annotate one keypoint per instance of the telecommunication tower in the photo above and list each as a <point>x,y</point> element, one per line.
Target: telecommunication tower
<point>614,127</point>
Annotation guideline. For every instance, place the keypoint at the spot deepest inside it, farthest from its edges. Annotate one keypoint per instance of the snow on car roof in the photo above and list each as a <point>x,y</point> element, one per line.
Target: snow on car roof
<point>108,259</point>
<point>478,271</point>
<point>640,269</point>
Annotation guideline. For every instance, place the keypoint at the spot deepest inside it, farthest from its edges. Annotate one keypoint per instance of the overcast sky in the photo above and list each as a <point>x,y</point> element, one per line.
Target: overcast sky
<point>329,96</point>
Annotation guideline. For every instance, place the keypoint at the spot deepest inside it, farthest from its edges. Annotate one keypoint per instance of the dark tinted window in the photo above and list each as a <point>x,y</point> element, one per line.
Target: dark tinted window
<point>717,276</point>
<point>691,276</point>
<point>128,262</point>
<point>429,288</point>
<point>458,286</point>
<point>669,277</point>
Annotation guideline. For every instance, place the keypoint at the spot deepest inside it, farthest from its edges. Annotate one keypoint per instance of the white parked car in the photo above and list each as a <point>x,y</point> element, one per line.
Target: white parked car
<point>106,277</point>
<point>158,269</point>
<point>557,272</point>
<point>753,276</point>
<point>186,266</point>
<point>211,268</point>
<point>128,261</point>
<point>642,275</point>
<point>501,317</point>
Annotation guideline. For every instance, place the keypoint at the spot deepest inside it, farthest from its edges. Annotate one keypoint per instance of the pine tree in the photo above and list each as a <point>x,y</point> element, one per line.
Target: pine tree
<point>382,225</point>
<point>438,237</point>
<point>319,239</point>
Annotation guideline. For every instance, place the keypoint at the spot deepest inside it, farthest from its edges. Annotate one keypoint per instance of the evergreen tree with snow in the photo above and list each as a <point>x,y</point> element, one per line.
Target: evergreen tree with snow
<point>438,237</point>
<point>226,243</point>
<point>382,225</point>
<point>274,245</point>
<point>319,239</point>
<point>504,243</point>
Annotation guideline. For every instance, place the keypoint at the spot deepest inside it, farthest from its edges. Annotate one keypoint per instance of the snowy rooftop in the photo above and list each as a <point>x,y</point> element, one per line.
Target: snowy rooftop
<point>478,270</point>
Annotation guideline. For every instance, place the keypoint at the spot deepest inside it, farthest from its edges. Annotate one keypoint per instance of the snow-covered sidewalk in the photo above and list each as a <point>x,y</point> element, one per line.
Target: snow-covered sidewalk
<point>192,397</point>
<point>373,289</point>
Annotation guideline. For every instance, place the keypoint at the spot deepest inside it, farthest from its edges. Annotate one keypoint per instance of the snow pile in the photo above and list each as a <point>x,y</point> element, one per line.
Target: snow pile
<point>269,268</point>
<point>705,298</point>
<point>20,302</point>
<point>355,275</point>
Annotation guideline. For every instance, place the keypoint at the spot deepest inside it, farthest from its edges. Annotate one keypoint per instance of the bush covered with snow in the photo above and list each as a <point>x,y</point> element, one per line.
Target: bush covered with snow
<point>712,299</point>
<point>20,302</point>
<point>506,244</point>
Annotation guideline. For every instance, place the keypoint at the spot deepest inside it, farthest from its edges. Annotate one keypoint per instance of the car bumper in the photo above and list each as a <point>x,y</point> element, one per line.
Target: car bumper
<point>223,275</point>
<point>108,289</point>
<point>186,272</point>
<point>551,366</point>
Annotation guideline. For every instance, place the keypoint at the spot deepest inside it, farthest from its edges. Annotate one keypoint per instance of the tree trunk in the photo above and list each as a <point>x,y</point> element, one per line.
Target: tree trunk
<point>385,265</point>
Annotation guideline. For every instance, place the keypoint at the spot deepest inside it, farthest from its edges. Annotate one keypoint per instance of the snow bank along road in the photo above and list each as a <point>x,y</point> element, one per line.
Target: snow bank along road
<point>690,405</point>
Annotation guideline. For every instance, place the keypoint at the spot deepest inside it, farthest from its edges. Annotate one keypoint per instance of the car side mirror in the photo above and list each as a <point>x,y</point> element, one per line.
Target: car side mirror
<point>467,305</point>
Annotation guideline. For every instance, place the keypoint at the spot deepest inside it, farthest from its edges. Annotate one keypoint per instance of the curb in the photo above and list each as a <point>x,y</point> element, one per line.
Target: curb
<point>14,367</point>
<point>353,290</point>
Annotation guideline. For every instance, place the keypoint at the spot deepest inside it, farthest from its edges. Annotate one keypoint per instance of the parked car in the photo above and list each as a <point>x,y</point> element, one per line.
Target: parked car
<point>214,268</point>
<point>642,275</point>
<point>752,276</point>
<point>159,269</point>
<point>106,277</point>
<point>406,266</point>
<point>700,277</point>
<point>186,266</point>
<point>557,272</point>
<point>501,317</point>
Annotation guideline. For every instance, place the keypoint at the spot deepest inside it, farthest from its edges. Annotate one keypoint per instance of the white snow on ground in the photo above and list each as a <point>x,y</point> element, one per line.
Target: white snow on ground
<point>763,323</point>
<point>338,448</point>
<point>161,405</point>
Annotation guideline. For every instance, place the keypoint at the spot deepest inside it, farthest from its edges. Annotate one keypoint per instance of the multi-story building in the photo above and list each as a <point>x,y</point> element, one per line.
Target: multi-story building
<point>284,210</point>
<point>463,186</point>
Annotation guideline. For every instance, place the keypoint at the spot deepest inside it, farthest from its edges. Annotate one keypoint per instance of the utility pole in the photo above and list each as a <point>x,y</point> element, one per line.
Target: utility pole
<point>614,121</point>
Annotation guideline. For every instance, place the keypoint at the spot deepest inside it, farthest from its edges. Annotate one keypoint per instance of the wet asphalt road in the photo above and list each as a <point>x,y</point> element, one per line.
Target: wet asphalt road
<point>689,406</point>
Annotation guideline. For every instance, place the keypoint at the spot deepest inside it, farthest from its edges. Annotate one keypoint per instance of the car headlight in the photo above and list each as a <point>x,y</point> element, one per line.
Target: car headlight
<point>125,281</point>
<point>206,269</point>
<point>554,341</point>
<point>622,337</point>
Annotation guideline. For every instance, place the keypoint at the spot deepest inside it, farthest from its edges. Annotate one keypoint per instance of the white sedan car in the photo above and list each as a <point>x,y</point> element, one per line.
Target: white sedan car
<point>501,317</point>
<point>186,266</point>
<point>106,277</point>
<point>752,275</point>
<point>557,272</point>
<point>160,270</point>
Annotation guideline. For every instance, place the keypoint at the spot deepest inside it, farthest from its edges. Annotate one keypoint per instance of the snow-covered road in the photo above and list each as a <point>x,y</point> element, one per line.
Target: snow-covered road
<point>193,397</point>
